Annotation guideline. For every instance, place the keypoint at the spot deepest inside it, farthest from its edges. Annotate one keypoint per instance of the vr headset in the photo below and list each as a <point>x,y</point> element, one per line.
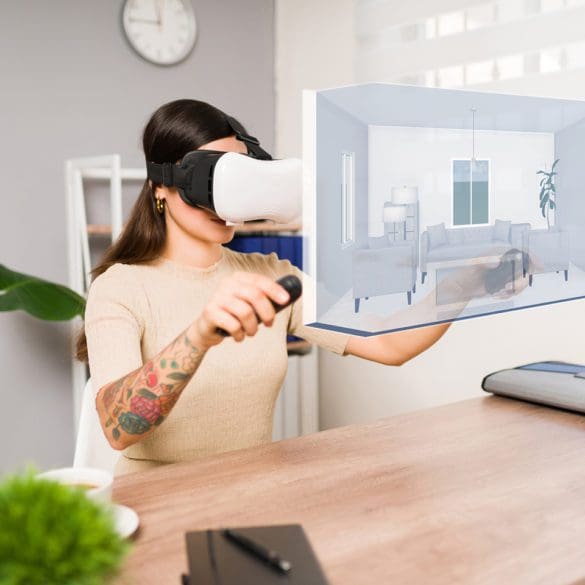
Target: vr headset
<point>237,187</point>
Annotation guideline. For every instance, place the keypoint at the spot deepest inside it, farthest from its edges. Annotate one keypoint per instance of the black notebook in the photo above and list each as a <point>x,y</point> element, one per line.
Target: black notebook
<point>215,560</point>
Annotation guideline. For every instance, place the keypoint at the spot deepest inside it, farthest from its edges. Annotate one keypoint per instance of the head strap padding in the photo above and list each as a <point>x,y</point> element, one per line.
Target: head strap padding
<point>252,143</point>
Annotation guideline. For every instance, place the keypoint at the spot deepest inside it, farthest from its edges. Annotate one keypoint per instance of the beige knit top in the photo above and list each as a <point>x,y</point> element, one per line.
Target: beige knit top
<point>133,311</point>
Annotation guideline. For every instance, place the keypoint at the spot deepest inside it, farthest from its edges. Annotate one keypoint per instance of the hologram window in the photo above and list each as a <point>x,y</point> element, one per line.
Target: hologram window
<point>471,190</point>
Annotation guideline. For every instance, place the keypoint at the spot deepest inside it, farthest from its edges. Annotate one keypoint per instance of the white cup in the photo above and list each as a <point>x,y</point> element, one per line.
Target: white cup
<point>83,476</point>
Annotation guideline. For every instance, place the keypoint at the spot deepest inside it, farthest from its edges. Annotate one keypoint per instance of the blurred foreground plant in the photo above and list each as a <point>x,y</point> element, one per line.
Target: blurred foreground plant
<point>53,534</point>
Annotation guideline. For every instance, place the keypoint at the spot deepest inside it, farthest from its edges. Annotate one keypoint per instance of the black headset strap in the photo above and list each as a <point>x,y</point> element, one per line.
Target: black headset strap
<point>168,174</point>
<point>171,175</point>
<point>253,144</point>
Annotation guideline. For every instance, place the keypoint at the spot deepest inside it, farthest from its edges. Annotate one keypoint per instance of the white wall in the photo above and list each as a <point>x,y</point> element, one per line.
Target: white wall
<point>423,157</point>
<point>314,50</point>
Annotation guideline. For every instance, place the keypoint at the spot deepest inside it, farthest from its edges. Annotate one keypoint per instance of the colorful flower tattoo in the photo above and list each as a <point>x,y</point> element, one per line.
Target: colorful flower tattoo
<point>140,401</point>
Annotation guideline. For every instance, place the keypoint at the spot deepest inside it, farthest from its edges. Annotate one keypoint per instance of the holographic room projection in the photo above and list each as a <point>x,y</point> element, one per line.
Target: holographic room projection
<point>426,205</point>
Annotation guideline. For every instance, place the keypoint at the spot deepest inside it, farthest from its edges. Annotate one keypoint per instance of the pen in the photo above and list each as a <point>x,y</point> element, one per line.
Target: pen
<point>270,557</point>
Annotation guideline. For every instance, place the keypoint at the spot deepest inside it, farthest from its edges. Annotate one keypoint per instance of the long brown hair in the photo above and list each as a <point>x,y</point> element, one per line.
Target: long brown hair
<point>175,129</point>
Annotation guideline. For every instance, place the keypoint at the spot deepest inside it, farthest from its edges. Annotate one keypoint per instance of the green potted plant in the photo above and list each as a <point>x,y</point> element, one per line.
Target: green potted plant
<point>53,534</point>
<point>548,192</point>
<point>40,298</point>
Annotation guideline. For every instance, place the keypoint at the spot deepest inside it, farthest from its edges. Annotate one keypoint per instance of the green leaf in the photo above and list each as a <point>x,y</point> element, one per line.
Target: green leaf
<point>147,394</point>
<point>159,420</point>
<point>115,433</point>
<point>174,365</point>
<point>40,298</point>
<point>128,393</point>
<point>178,376</point>
<point>552,204</point>
<point>163,363</point>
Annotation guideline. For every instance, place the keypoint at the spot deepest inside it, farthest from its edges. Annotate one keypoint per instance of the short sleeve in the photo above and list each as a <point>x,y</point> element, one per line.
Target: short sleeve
<point>332,340</point>
<point>113,327</point>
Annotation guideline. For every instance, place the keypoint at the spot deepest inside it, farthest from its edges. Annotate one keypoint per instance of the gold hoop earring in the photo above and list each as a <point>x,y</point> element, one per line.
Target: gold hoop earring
<point>160,206</point>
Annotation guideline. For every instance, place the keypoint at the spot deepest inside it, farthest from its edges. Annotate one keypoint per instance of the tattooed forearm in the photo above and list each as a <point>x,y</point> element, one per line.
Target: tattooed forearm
<point>136,404</point>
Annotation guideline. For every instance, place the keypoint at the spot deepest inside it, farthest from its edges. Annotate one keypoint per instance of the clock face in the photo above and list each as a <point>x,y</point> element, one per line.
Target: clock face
<point>161,31</point>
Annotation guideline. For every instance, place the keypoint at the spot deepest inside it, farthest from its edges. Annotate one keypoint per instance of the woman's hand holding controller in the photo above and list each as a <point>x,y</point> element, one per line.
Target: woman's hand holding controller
<point>240,304</point>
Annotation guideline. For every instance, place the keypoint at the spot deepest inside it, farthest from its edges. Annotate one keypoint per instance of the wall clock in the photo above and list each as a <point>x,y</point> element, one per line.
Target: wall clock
<point>161,31</point>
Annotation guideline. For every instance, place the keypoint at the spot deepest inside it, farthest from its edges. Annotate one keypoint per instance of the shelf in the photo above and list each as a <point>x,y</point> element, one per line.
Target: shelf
<point>267,226</point>
<point>298,347</point>
<point>94,229</point>
<point>106,173</point>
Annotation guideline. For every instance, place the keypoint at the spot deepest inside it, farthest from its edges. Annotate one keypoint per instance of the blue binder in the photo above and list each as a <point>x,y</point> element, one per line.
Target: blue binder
<point>286,247</point>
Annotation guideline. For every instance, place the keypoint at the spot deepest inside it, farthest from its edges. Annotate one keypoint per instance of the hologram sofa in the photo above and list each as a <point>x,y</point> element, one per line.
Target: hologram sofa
<point>439,243</point>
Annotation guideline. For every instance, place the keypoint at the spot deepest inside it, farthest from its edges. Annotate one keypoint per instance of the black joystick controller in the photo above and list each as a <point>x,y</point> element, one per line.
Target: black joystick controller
<point>291,284</point>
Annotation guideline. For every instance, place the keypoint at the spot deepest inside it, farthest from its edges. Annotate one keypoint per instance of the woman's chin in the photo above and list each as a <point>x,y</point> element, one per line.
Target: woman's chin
<point>222,232</point>
<point>223,225</point>
<point>210,230</point>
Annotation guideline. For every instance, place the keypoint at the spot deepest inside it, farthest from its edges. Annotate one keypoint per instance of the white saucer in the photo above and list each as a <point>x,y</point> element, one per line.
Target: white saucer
<point>126,520</point>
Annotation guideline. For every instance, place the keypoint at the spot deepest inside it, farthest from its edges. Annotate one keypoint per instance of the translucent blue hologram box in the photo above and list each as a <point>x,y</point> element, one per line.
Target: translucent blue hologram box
<point>426,205</point>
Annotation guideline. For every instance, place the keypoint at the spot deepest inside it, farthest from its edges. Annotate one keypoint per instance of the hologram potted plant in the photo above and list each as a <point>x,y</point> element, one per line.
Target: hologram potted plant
<point>548,192</point>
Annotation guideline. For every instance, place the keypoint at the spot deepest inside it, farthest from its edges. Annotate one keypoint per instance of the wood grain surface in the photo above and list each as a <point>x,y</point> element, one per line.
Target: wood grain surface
<point>486,491</point>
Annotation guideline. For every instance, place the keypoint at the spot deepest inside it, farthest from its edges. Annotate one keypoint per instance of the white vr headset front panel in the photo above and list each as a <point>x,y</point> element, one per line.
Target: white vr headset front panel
<point>246,189</point>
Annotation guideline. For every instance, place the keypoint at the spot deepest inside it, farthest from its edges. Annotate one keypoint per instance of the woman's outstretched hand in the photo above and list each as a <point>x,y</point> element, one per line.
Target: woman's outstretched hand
<point>238,306</point>
<point>501,279</point>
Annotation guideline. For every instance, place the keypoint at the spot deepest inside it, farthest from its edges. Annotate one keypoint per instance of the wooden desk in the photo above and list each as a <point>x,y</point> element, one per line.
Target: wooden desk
<point>482,491</point>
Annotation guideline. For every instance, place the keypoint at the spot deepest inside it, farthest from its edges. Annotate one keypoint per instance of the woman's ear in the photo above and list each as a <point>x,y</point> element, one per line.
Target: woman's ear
<point>159,191</point>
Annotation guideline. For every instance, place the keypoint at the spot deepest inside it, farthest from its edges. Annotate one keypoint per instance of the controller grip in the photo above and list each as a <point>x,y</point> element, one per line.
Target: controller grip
<point>293,287</point>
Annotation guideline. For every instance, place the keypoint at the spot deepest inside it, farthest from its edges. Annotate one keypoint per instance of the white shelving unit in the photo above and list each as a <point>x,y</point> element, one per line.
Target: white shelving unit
<point>101,168</point>
<point>296,411</point>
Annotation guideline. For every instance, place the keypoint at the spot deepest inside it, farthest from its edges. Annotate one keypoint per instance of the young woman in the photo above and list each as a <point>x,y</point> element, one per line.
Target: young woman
<point>169,388</point>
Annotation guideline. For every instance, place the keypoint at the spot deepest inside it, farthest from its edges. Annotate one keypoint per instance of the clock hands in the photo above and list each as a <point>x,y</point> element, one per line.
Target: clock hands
<point>159,16</point>
<point>159,12</point>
